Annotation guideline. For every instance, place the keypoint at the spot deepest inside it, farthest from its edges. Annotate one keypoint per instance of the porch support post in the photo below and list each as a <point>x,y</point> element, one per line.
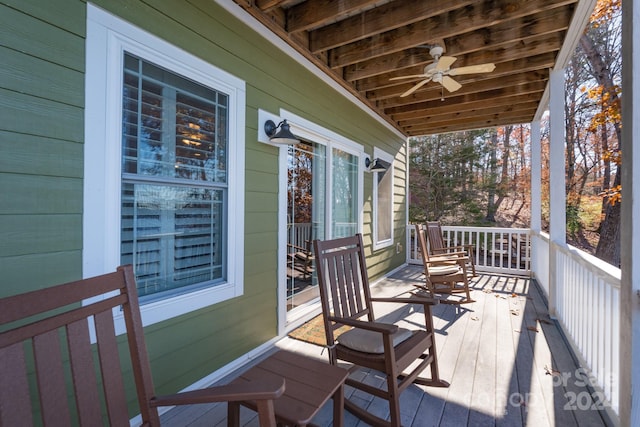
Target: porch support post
<point>629,377</point>
<point>536,179</point>
<point>557,192</point>
<point>536,205</point>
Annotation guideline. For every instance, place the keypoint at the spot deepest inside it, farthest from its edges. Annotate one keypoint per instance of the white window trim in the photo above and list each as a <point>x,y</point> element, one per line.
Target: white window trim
<point>379,244</point>
<point>107,38</point>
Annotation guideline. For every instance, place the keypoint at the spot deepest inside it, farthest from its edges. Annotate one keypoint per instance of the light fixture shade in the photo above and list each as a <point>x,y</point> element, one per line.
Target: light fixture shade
<point>282,136</point>
<point>377,165</point>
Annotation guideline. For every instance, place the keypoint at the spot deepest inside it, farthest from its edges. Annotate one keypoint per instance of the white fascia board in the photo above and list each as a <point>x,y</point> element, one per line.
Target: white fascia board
<point>233,8</point>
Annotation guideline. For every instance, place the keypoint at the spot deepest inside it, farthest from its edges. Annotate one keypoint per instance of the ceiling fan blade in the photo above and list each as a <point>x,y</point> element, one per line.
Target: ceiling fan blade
<point>450,84</point>
<point>444,62</point>
<point>412,76</point>
<point>415,88</point>
<point>471,69</point>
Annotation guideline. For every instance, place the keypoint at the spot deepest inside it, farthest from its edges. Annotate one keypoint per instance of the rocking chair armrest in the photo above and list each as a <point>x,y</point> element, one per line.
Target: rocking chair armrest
<point>414,299</point>
<point>448,249</point>
<point>267,389</point>
<point>448,258</point>
<point>385,328</point>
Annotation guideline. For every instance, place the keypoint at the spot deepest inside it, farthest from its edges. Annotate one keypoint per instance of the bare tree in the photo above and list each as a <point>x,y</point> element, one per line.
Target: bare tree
<point>601,47</point>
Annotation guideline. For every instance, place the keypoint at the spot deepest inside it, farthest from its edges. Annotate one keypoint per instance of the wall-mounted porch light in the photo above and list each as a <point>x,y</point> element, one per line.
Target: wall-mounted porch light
<point>377,165</point>
<point>282,136</point>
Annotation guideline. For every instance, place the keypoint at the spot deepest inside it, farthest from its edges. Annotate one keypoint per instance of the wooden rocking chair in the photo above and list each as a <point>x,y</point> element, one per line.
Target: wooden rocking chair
<point>346,300</point>
<point>46,333</point>
<point>438,247</point>
<point>443,272</point>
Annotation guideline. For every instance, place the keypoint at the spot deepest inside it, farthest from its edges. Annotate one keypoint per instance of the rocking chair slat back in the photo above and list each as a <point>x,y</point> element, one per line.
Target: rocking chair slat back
<point>340,268</point>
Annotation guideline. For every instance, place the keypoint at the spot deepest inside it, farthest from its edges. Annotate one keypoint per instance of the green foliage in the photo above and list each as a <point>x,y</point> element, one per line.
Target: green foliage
<point>591,212</point>
<point>445,173</point>
<point>584,215</point>
<point>573,219</point>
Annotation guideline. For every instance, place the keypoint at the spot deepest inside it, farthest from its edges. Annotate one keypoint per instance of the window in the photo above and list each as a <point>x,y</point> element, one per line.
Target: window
<point>174,179</point>
<point>383,202</point>
<point>164,169</point>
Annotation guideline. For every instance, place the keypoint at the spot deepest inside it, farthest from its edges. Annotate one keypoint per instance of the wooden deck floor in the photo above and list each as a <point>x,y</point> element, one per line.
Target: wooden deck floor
<point>507,363</point>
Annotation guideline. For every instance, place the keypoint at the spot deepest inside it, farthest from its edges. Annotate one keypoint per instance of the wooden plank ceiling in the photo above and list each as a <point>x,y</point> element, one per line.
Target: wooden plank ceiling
<point>362,44</point>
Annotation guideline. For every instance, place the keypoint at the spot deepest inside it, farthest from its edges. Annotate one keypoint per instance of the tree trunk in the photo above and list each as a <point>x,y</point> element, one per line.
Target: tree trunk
<point>493,166</point>
<point>608,248</point>
<point>606,177</point>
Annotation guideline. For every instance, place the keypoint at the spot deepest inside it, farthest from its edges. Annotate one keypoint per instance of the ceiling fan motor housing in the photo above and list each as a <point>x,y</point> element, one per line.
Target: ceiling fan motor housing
<point>436,52</point>
<point>430,67</point>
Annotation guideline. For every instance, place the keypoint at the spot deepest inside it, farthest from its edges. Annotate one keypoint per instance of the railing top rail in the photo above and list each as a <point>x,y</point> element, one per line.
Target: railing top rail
<point>596,265</point>
<point>486,229</point>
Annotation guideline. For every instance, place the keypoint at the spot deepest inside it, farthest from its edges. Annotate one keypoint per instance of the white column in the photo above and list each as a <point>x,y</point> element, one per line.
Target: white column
<point>536,179</point>
<point>630,230</point>
<point>536,201</point>
<point>557,195</point>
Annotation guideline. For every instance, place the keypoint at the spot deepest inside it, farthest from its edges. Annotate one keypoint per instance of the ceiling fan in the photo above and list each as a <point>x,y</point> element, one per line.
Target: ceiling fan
<point>439,71</point>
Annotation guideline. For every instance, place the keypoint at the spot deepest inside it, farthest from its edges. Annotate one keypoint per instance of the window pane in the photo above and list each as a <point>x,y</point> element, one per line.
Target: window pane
<point>345,194</point>
<point>384,205</point>
<point>172,235</point>
<point>172,127</point>
<point>305,214</point>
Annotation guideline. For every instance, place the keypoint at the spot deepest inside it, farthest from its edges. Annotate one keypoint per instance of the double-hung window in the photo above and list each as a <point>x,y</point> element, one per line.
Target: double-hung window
<point>164,169</point>
<point>174,180</point>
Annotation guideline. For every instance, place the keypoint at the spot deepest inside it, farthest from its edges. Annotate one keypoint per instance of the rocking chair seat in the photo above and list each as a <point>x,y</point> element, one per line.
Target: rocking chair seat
<point>443,270</point>
<point>370,341</point>
<point>405,353</point>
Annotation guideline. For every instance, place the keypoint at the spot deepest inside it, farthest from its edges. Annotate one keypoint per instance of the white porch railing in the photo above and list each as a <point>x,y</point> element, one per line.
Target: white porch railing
<point>585,301</point>
<point>587,306</point>
<point>495,250</point>
<point>301,233</point>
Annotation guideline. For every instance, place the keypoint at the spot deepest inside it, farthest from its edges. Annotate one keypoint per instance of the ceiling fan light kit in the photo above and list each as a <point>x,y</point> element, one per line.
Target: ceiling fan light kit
<point>439,71</point>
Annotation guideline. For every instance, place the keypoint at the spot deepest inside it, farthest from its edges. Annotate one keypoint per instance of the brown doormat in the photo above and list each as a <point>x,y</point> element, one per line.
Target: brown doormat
<point>313,332</point>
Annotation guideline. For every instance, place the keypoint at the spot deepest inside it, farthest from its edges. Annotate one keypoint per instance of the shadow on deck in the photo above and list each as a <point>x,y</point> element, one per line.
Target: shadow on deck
<point>506,360</point>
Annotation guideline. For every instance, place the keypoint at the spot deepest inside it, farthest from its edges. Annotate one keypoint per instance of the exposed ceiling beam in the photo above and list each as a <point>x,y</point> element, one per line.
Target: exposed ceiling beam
<point>357,46</point>
<point>473,17</point>
<point>387,17</point>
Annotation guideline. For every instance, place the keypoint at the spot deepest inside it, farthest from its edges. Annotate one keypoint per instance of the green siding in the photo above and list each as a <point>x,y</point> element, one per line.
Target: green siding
<point>30,75</point>
<point>42,36</point>
<point>23,234</point>
<point>35,155</point>
<point>23,273</point>
<point>41,131</point>
<point>41,163</point>
<point>33,194</point>
<point>22,113</point>
<point>65,14</point>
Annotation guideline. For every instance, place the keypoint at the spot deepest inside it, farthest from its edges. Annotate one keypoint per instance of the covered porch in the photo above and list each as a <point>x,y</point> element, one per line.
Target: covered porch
<point>591,304</point>
<point>507,361</point>
<point>553,335</point>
